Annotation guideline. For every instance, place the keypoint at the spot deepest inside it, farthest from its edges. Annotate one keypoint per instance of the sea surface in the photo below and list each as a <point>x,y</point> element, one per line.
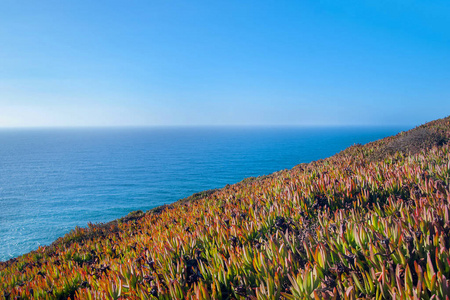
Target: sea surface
<point>52,180</point>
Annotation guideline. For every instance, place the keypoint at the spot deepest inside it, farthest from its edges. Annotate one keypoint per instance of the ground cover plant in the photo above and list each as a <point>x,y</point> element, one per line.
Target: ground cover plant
<point>371,222</point>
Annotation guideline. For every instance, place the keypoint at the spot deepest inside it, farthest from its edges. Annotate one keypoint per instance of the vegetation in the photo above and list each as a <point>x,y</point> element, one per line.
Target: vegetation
<point>371,222</point>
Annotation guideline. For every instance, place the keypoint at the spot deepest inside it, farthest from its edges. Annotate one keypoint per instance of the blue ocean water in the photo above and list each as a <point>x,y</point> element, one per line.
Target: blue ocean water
<point>52,180</point>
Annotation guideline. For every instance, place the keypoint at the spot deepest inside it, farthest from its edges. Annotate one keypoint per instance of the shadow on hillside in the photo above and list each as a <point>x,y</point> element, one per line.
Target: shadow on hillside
<point>411,142</point>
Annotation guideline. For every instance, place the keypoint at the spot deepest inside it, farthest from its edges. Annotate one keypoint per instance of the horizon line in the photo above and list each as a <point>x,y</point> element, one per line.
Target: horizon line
<point>209,126</point>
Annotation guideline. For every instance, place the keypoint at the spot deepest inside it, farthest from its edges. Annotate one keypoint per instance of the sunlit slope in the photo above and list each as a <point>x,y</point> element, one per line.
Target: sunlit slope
<point>369,222</point>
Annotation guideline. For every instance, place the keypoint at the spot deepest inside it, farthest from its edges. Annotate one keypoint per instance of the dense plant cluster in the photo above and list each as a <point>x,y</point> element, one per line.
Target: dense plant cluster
<point>355,225</point>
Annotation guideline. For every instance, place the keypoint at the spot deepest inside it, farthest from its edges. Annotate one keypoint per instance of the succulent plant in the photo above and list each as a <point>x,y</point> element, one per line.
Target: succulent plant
<point>356,225</point>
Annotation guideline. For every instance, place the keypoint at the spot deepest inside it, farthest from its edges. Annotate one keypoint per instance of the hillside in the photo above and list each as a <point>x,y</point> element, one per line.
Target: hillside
<point>371,222</point>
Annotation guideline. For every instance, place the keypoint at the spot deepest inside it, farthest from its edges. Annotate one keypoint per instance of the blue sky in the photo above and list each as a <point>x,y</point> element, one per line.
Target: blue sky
<point>144,63</point>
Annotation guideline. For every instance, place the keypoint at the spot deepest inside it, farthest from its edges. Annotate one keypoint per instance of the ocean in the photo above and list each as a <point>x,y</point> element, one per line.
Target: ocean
<point>52,180</point>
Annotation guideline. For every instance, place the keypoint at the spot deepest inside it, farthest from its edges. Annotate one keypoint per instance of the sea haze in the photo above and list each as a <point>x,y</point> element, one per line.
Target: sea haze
<point>52,180</point>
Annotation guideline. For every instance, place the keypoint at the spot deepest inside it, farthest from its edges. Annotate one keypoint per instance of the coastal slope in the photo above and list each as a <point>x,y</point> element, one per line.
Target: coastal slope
<point>371,222</point>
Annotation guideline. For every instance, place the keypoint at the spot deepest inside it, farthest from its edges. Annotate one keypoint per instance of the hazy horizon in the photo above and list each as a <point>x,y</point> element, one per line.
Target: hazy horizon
<point>226,126</point>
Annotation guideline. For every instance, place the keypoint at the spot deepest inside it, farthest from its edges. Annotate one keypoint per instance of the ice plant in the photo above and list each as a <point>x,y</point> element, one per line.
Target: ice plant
<point>372,222</point>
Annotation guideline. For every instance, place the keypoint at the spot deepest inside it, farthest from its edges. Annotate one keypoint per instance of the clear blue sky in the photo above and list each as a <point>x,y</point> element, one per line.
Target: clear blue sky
<point>126,63</point>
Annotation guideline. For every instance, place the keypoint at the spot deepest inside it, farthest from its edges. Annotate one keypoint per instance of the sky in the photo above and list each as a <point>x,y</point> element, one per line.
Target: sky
<point>239,63</point>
